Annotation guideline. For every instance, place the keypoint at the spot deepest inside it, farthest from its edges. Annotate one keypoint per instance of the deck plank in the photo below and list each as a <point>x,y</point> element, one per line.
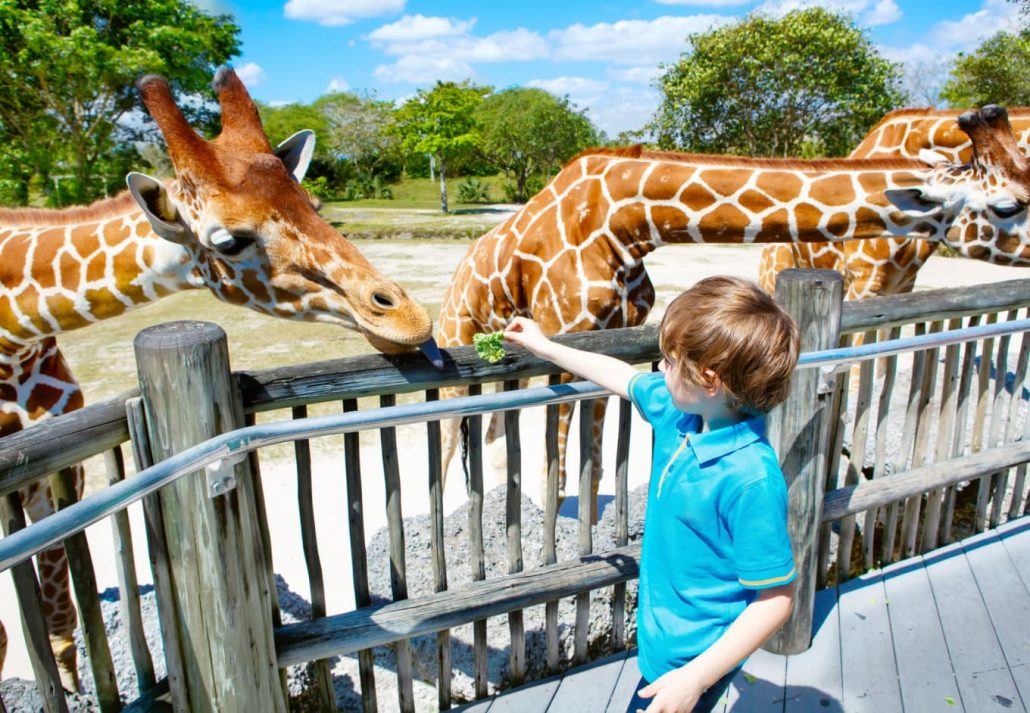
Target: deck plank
<point>869,671</point>
<point>589,687</point>
<point>625,684</point>
<point>984,681</point>
<point>813,680</point>
<point>1007,601</point>
<point>924,667</point>
<point>1015,537</point>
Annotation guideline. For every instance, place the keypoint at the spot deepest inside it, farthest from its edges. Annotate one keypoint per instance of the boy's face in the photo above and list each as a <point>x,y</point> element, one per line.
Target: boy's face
<point>686,395</point>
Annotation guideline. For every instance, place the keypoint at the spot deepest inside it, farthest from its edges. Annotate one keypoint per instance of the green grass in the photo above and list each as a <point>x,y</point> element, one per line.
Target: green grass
<point>424,194</point>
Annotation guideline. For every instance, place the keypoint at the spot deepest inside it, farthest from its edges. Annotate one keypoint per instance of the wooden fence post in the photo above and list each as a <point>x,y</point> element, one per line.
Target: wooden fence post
<point>220,584</point>
<point>799,429</point>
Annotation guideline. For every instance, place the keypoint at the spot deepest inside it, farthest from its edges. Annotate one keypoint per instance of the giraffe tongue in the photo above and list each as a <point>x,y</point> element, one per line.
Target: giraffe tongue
<point>432,352</point>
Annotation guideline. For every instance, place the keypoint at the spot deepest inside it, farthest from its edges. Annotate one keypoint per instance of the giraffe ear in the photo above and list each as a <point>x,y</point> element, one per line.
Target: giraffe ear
<point>296,151</point>
<point>913,200</point>
<point>157,205</point>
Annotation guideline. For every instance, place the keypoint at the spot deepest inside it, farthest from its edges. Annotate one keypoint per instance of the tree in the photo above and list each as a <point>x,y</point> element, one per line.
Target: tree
<point>996,72</point>
<point>526,132</point>
<point>810,83</point>
<point>440,122</point>
<point>358,132</point>
<point>68,70</point>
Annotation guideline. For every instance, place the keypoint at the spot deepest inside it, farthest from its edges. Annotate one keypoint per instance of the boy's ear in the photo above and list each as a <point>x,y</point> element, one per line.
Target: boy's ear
<point>712,381</point>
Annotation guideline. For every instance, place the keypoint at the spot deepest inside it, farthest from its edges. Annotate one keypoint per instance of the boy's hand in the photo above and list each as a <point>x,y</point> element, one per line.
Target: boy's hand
<point>676,692</point>
<point>526,333</point>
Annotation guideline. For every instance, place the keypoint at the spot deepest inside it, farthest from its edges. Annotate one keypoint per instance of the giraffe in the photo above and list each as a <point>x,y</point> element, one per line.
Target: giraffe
<point>889,265</point>
<point>234,220</point>
<point>572,257</point>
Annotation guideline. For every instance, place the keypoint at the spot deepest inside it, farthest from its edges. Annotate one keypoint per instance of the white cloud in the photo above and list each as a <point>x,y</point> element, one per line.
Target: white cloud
<point>969,31</point>
<point>251,74</point>
<point>870,13</point>
<point>452,41</point>
<point>704,3</point>
<point>622,109</point>
<point>573,86</point>
<point>420,70</point>
<point>634,75</point>
<point>412,28</point>
<point>631,42</point>
<point>884,12</point>
<point>337,84</point>
<point>340,12</point>
<point>281,102</point>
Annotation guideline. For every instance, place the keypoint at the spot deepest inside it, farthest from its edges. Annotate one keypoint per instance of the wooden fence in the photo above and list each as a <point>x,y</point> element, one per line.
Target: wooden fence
<point>963,420</point>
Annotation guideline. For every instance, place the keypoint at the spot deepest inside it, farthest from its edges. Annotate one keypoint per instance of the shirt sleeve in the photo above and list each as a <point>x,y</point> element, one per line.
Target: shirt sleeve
<point>761,544</point>
<point>648,393</point>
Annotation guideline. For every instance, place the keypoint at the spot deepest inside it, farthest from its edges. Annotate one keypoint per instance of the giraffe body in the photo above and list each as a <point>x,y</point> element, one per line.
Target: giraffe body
<point>572,257</point>
<point>234,220</point>
<point>889,265</point>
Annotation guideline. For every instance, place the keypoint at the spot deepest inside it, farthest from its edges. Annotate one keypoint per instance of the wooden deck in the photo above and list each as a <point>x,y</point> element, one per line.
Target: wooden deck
<point>946,632</point>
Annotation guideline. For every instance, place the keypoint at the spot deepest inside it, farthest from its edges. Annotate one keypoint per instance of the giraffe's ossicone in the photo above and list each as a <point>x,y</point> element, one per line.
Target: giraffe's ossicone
<point>234,220</point>
<point>573,257</point>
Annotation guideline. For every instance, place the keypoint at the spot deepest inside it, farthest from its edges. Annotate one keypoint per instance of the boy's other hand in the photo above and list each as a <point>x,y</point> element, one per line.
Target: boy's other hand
<point>677,691</point>
<point>526,333</point>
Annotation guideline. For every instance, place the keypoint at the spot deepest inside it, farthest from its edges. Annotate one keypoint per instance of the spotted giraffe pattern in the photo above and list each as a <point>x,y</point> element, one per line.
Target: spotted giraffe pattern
<point>887,266</point>
<point>234,220</point>
<point>572,257</point>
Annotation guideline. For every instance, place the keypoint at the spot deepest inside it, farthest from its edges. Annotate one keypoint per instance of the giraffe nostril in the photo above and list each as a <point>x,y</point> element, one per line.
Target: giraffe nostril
<point>381,300</point>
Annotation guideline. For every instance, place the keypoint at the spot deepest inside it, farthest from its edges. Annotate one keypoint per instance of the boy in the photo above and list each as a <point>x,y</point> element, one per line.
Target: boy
<point>716,570</point>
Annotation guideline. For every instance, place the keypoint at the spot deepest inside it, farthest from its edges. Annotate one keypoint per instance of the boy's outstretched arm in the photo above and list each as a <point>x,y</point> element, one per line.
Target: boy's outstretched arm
<point>609,372</point>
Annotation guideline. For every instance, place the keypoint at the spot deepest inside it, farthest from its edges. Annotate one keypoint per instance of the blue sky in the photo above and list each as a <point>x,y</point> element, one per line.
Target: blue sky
<point>603,54</point>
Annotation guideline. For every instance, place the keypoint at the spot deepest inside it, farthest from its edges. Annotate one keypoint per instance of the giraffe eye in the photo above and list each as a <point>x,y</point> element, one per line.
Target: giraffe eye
<point>232,243</point>
<point>1008,209</point>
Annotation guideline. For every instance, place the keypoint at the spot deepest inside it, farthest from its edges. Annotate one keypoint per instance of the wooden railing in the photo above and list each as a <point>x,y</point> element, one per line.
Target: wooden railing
<point>973,427</point>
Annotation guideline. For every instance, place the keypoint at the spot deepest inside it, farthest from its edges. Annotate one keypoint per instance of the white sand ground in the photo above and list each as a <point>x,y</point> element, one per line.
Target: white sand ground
<point>671,269</point>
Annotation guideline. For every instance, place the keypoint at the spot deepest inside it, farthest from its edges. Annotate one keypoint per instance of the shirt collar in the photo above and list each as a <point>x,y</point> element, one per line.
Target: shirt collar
<point>711,445</point>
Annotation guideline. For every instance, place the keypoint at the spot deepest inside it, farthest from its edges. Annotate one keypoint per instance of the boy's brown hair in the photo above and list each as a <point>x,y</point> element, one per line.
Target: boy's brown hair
<point>737,330</point>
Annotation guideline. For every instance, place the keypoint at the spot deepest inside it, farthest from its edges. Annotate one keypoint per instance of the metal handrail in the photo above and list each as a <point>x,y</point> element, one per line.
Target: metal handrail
<point>22,544</point>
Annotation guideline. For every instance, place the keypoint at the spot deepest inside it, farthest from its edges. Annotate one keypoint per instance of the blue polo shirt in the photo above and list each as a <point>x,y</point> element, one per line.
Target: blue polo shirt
<point>715,529</point>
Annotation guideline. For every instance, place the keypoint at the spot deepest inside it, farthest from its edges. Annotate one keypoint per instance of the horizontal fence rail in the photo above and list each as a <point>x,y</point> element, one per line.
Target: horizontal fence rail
<point>24,543</point>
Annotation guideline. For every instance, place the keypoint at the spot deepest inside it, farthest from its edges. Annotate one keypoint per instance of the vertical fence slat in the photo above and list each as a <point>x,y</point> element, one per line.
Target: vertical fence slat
<point>26,587</point>
<point>903,512</point>
<point>945,428</point>
<point>920,447</point>
<point>323,683</point>
<point>436,536</point>
<point>621,519</point>
<point>128,584</point>
<point>358,554</point>
<point>550,525</point>
<point>398,567</point>
<point>513,520</point>
<point>160,566</point>
<point>477,557</point>
<point>84,582</point>
<point>856,461</point>
<point>980,439</point>
<point>1019,481</point>
<point>586,510</point>
<point>1001,480</point>
<point>839,409</point>
<point>890,371</point>
<point>966,398</point>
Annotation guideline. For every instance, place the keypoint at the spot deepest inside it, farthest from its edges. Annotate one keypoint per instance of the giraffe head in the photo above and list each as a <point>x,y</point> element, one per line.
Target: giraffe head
<point>983,204</point>
<point>254,234</point>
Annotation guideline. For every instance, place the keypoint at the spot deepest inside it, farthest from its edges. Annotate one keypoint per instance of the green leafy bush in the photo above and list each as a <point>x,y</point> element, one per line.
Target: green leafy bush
<point>472,190</point>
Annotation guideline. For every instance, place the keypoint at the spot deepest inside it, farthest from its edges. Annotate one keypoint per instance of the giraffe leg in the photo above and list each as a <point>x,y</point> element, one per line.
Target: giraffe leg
<point>55,585</point>
<point>3,648</point>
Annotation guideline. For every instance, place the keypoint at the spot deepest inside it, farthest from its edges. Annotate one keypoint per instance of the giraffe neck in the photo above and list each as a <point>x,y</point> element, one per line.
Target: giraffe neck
<point>61,270</point>
<point>650,201</point>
